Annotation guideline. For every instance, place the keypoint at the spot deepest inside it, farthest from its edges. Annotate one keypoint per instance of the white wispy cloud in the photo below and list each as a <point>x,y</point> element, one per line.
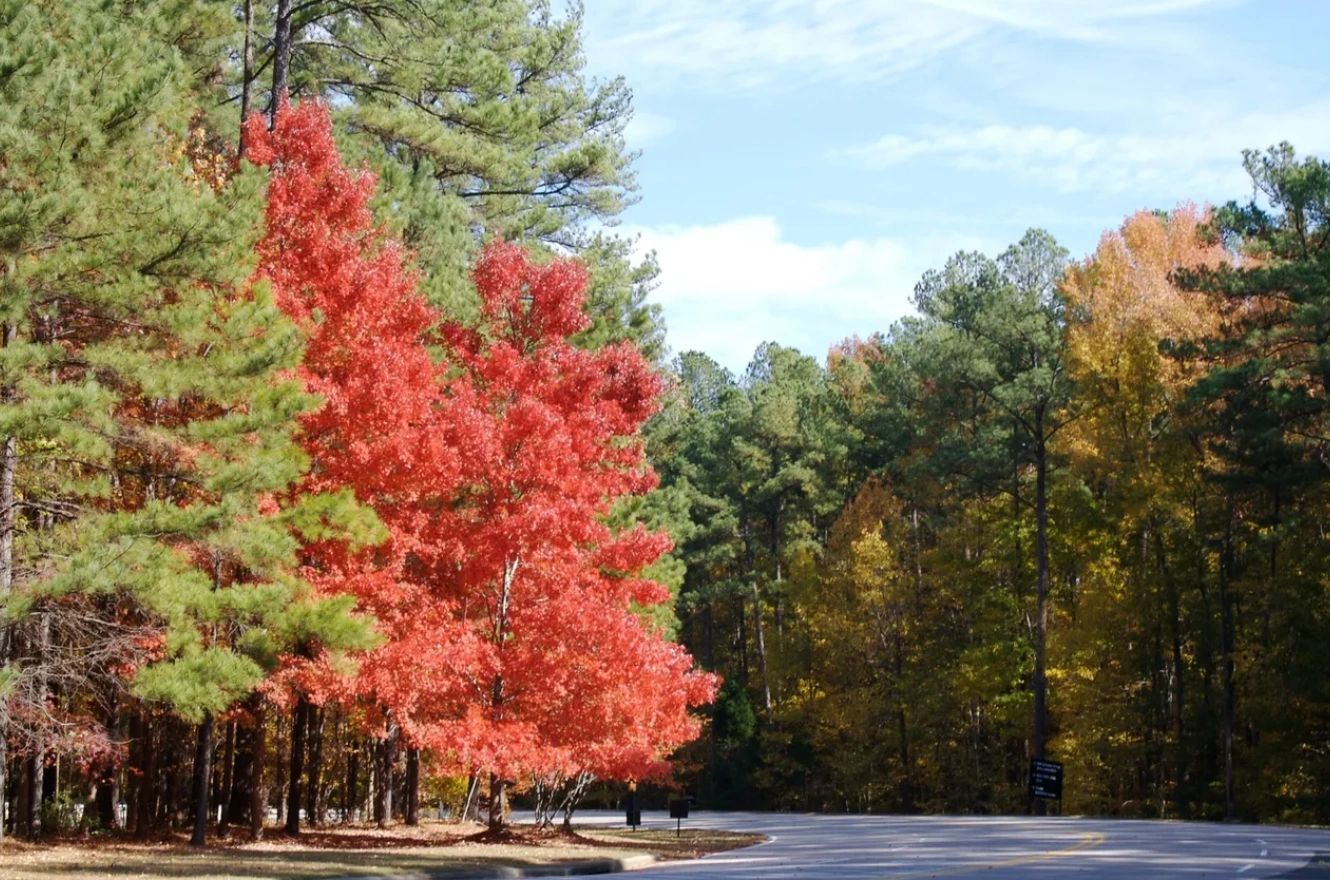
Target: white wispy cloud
<point>1201,159</point>
<point>644,128</point>
<point>750,43</point>
<point>727,287</point>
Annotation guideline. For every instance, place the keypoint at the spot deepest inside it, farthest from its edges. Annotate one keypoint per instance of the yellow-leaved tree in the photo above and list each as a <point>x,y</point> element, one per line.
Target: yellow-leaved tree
<point>1135,483</point>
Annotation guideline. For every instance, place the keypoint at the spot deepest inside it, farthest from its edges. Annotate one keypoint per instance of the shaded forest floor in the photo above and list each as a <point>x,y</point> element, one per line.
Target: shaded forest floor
<point>441,849</point>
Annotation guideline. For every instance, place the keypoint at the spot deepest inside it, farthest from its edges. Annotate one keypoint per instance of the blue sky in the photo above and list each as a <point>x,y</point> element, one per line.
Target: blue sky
<point>805,161</point>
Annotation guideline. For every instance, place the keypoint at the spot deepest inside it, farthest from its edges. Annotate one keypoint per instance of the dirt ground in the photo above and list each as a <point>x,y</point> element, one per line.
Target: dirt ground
<point>440,848</point>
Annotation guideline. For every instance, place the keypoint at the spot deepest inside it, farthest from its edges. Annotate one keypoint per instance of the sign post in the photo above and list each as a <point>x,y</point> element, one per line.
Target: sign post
<point>634,816</point>
<point>678,812</point>
<point>1046,780</point>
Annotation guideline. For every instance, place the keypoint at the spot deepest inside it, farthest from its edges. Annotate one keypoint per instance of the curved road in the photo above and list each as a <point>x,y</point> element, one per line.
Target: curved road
<point>819,847</point>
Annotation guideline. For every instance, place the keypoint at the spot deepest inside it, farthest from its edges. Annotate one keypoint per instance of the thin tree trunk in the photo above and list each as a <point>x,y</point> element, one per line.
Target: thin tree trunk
<point>349,801</point>
<point>1040,684</point>
<point>246,74</point>
<point>1179,683</point>
<point>383,776</point>
<point>8,519</point>
<point>237,807</point>
<point>471,806</point>
<point>202,780</point>
<point>1226,651</point>
<point>258,800</point>
<point>281,58</point>
<point>106,798</point>
<point>903,742</point>
<point>178,782</point>
<point>708,636</point>
<point>134,779</point>
<point>761,648</point>
<point>741,612</point>
<point>298,727</point>
<point>918,566</point>
<point>314,782</point>
<point>228,776</point>
<point>50,781</point>
<point>761,645</point>
<point>147,784</point>
<point>26,798</point>
<point>778,599</point>
<point>37,777</point>
<point>413,786</point>
<point>107,793</point>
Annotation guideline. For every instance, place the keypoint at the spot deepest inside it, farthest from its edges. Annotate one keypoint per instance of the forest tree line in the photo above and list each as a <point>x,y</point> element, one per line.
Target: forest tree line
<point>317,498</point>
<point>1071,509</point>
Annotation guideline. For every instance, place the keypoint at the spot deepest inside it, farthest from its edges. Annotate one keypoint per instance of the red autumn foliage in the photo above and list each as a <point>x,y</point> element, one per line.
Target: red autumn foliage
<point>366,328</point>
<point>507,602</point>
<point>573,679</point>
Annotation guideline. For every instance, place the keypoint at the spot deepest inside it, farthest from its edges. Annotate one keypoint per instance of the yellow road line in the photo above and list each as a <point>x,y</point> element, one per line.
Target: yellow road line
<point>1088,840</point>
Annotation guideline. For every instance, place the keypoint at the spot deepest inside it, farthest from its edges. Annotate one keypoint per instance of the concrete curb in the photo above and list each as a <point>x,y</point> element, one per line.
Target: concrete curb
<point>559,869</point>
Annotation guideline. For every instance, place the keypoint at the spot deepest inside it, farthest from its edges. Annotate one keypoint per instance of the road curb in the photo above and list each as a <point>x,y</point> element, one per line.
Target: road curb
<point>505,872</point>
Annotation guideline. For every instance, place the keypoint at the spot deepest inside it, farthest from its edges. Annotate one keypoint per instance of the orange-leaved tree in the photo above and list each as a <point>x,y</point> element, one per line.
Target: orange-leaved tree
<point>572,678</point>
<point>375,435</point>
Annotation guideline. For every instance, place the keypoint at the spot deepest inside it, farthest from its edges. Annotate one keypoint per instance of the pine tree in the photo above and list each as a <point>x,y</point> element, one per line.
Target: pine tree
<point>474,118</point>
<point>1267,419</point>
<point>147,419</point>
<point>996,333</point>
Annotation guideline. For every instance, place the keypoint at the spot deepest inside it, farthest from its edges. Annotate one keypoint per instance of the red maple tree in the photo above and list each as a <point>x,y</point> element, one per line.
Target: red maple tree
<point>375,433</point>
<point>571,678</point>
<point>511,644</point>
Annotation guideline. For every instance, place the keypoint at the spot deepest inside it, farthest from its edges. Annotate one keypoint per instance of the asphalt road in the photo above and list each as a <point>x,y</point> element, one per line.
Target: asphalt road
<point>818,847</point>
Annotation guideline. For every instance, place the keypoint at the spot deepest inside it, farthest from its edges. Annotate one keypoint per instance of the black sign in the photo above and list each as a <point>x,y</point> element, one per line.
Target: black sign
<point>679,808</point>
<point>1046,780</point>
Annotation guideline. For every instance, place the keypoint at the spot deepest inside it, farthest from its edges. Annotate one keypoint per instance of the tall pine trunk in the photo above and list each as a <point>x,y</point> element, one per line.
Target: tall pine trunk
<point>202,781</point>
<point>299,725</point>
<point>1226,640</point>
<point>314,774</point>
<point>178,780</point>
<point>146,790</point>
<point>1040,684</point>
<point>902,730</point>
<point>258,795</point>
<point>246,73</point>
<point>1180,793</point>
<point>107,791</point>
<point>237,805</point>
<point>281,57</point>
<point>8,520</point>
<point>757,622</point>
<point>228,776</point>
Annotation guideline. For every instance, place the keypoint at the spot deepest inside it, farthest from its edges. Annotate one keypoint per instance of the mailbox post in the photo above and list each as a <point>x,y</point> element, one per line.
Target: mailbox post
<point>678,812</point>
<point>634,816</point>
